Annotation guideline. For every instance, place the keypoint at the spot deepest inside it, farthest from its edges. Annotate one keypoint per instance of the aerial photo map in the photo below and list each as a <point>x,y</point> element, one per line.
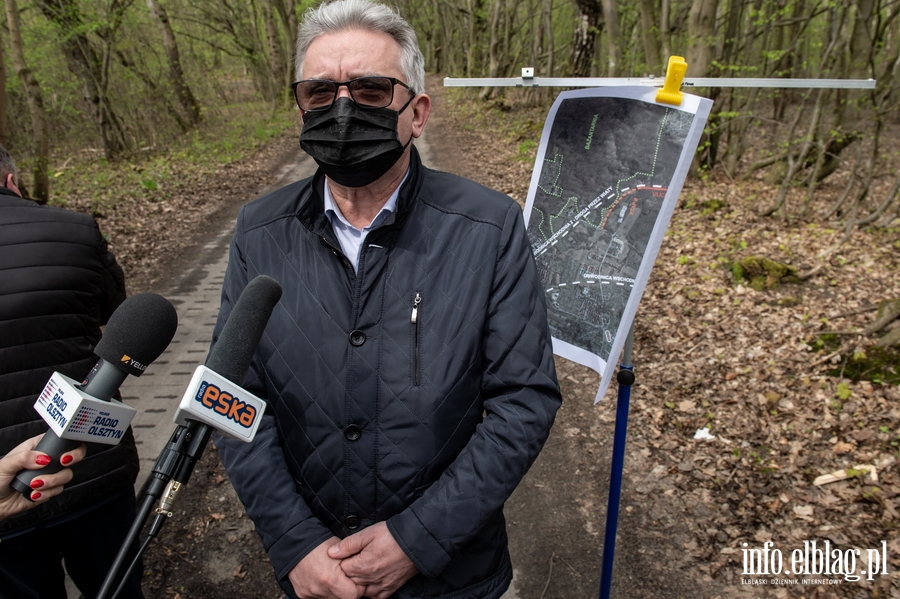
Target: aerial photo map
<point>608,172</point>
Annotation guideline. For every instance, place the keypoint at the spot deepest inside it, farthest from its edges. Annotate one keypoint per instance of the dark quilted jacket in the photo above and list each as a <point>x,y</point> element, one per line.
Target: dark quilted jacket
<point>429,422</point>
<point>58,284</point>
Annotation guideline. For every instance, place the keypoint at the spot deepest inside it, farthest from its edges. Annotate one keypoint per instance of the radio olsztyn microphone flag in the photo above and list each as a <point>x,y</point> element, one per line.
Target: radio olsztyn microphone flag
<point>214,396</point>
<point>75,415</point>
<point>137,333</point>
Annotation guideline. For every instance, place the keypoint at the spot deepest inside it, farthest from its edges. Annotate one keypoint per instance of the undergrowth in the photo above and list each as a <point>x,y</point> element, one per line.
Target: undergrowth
<point>227,135</point>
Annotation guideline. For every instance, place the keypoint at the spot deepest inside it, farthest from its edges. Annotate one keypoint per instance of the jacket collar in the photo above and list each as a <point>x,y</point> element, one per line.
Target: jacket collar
<point>312,209</point>
<point>8,192</point>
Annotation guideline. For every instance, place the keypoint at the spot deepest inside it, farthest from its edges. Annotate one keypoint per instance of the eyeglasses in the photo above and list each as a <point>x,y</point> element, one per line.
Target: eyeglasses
<point>366,92</point>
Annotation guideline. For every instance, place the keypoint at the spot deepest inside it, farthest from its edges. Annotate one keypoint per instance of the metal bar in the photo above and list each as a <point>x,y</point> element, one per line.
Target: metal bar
<point>658,82</point>
<point>625,379</point>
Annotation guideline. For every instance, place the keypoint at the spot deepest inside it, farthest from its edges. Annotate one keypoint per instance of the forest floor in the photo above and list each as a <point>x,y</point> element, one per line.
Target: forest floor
<point>710,352</point>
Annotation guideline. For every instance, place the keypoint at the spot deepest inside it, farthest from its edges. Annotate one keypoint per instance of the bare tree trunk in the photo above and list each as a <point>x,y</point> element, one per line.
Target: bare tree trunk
<point>533,30</point>
<point>273,41</point>
<point>737,131</point>
<point>446,52</point>
<point>585,36</point>
<point>546,50</point>
<point>493,48</point>
<point>613,37</point>
<point>651,44</point>
<point>170,44</point>
<point>795,164</point>
<point>862,42</point>
<point>701,33</point>
<point>716,125</point>
<point>476,28</point>
<point>547,9</point>
<point>41,132</point>
<point>731,34</point>
<point>288,18</point>
<point>874,152</point>
<point>889,199</point>
<point>4,129</point>
<point>664,34</point>
<point>512,61</point>
<point>860,47</point>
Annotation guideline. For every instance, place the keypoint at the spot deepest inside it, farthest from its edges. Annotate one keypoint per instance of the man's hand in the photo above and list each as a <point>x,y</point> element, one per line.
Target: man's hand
<point>318,576</point>
<point>374,561</point>
<point>45,486</point>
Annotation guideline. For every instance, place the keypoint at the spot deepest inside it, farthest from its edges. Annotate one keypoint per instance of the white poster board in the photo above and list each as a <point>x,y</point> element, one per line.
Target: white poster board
<point>609,169</point>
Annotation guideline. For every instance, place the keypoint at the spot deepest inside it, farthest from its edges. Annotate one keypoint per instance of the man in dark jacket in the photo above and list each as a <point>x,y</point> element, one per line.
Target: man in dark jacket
<point>58,285</point>
<point>407,369</point>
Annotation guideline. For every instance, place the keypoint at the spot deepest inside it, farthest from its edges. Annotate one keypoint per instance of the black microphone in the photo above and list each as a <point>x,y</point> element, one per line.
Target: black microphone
<point>237,342</point>
<point>137,333</point>
<point>230,359</point>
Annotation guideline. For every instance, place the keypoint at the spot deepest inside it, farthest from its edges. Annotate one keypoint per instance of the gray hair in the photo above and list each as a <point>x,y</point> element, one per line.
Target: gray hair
<point>7,166</point>
<point>363,14</point>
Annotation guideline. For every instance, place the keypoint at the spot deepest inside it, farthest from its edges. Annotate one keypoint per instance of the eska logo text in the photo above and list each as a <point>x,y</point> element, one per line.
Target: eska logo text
<point>224,403</point>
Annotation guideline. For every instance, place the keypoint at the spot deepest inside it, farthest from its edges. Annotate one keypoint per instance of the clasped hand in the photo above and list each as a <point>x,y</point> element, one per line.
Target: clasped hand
<point>366,564</point>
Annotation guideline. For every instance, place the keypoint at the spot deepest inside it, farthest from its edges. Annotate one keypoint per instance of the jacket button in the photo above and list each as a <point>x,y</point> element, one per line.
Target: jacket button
<point>357,338</point>
<point>352,522</point>
<point>352,432</point>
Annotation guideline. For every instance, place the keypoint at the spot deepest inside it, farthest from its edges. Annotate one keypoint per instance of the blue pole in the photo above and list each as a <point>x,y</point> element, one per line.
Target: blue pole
<point>625,379</point>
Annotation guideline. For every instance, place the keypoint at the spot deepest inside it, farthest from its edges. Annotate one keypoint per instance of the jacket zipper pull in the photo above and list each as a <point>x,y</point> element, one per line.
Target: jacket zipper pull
<point>415,309</point>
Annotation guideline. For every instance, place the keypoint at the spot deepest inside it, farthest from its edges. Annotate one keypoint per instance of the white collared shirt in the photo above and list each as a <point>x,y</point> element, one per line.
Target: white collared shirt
<point>351,238</point>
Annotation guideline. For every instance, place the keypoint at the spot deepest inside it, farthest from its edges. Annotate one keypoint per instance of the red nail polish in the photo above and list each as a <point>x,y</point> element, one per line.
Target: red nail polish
<point>35,496</point>
<point>36,483</point>
<point>65,459</point>
<point>42,460</point>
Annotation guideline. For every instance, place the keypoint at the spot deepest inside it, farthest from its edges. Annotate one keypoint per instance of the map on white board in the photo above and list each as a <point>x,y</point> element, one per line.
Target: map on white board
<point>609,169</point>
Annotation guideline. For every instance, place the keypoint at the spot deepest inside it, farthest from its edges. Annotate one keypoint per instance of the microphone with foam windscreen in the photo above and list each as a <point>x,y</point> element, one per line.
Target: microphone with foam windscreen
<point>237,342</point>
<point>137,333</point>
<point>213,400</point>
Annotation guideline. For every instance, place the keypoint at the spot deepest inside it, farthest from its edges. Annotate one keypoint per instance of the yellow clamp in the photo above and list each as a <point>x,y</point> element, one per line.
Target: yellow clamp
<point>671,90</point>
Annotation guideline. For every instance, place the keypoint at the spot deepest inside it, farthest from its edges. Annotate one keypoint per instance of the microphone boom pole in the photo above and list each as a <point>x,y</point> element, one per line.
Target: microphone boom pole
<point>230,360</point>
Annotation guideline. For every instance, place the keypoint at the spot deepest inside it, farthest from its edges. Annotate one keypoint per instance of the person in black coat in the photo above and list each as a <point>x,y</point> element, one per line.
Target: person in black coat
<point>407,368</point>
<point>59,284</point>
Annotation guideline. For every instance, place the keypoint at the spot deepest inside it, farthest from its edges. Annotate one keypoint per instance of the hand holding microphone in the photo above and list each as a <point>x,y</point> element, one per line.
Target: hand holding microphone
<point>44,487</point>
<point>137,333</point>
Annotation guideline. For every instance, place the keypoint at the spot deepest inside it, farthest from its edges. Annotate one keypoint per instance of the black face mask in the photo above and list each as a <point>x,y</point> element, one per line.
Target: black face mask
<point>354,146</point>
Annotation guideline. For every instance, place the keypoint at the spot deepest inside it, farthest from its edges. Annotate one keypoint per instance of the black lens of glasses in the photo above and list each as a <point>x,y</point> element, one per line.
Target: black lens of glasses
<point>369,92</point>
